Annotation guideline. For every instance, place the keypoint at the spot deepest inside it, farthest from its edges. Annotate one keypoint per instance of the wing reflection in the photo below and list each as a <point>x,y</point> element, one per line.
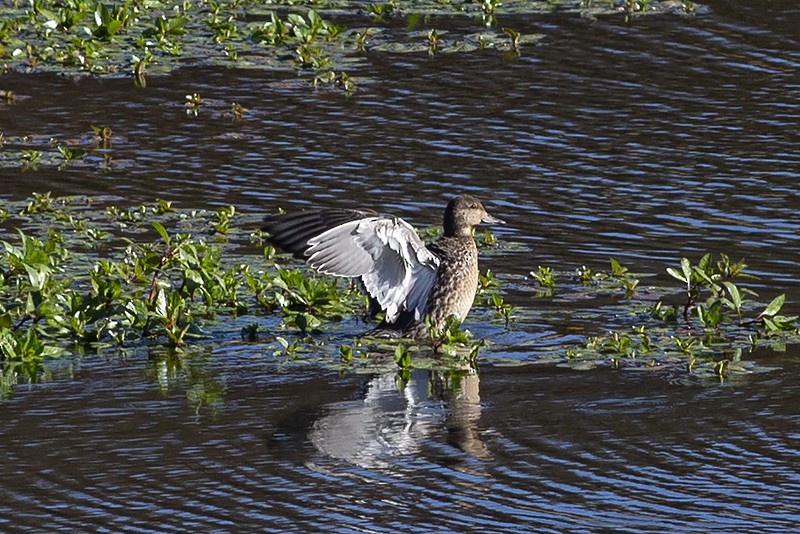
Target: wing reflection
<point>397,417</point>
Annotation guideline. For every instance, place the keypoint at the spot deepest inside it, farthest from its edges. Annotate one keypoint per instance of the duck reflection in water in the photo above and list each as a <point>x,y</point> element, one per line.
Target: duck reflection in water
<point>400,419</point>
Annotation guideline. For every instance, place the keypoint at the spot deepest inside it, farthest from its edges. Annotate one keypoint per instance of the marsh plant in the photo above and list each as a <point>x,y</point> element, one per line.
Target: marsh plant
<point>489,11</point>
<point>332,79</point>
<point>546,279</point>
<point>706,331</point>
<point>58,293</point>
<point>75,278</point>
<point>714,298</point>
<point>58,290</point>
<point>490,293</point>
<point>106,38</point>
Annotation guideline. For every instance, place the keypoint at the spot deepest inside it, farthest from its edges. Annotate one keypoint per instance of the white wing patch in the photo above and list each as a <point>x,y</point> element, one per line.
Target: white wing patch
<point>388,255</point>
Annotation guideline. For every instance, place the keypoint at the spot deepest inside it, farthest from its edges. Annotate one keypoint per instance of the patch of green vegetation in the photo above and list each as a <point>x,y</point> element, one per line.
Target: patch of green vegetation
<point>137,37</point>
<point>75,279</point>
<point>706,335</point>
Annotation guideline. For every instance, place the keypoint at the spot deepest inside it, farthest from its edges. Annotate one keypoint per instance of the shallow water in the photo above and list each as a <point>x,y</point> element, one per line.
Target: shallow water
<point>646,142</point>
<point>300,449</point>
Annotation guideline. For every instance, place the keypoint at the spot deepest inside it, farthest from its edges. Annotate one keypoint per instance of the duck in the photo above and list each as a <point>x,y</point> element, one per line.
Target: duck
<point>418,286</point>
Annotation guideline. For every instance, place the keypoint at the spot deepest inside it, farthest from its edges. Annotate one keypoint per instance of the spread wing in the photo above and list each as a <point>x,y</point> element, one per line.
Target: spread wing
<point>393,263</point>
<point>291,232</point>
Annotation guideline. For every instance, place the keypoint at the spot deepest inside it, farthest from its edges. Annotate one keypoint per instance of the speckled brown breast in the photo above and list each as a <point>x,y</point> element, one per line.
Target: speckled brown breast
<point>456,280</point>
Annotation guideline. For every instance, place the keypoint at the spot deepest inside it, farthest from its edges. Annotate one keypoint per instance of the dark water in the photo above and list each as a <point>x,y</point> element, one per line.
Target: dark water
<point>643,142</point>
<point>524,448</point>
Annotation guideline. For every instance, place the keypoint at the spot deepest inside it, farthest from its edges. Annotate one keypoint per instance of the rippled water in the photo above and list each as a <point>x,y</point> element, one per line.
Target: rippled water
<point>643,142</point>
<point>515,449</point>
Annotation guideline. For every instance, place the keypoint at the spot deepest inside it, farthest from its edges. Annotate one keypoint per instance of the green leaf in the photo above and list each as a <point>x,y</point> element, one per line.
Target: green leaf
<point>295,19</point>
<point>704,262</point>
<point>703,275</point>
<point>161,304</point>
<point>101,14</point>
<point>677,275</point>
<point>193,279</point>
<point>113,27</point>
<point>402,357</point>
<point>686,267</point>
<point>617,269</point>
<point>161,231</point>
<point>774,306</point>
<point>37,277</point>
<point>736,296</point>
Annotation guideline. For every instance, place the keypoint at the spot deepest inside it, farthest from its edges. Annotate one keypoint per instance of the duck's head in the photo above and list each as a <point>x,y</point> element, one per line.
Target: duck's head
<point>463,213</point>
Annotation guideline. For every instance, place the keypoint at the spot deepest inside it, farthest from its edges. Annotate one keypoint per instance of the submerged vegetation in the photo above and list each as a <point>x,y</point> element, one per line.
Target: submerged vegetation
<point>139,37</point>
<point>79,279</point>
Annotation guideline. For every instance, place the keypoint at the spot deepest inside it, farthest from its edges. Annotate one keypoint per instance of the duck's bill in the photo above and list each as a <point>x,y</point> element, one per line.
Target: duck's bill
<point>488,219</point>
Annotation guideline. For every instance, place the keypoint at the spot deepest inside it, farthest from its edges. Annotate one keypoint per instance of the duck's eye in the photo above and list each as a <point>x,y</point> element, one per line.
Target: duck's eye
<point>474,206</point>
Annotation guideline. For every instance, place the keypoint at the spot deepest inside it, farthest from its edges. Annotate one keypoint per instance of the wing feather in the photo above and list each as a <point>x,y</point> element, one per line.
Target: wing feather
<point>291,232</point>
<point>392,261</point>
<point>336,252</point>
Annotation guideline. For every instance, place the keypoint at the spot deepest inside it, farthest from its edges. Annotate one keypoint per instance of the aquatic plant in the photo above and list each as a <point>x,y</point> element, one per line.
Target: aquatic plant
<point>711,295</point>
<point>30,159</point>
<point>433,42</point>
<point>109,22</point>
<point>167,30</point>
<point>56,291</point>
<point>487,283</point>
<point>222,219</point>
<point>102,135</point>
<point>345,354</point>
<point>70,154</point>
<point>193,102</point>
<point>287,348</point>
<point>158,276</point>
<point>489,10</point>
<point>306,300</point>
<point>382,12</point>
<point>716,320</point>
<point>106,38</point>
<point>618,277</point>
<point>237,110</point>
<point>513,36</point>
<point>544,276</point>
<point>273,32</point>
<point>333,79</point>
<point>402,357</point>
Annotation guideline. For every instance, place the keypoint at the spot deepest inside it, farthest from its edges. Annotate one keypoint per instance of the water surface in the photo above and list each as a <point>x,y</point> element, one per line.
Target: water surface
<point>645,142</point>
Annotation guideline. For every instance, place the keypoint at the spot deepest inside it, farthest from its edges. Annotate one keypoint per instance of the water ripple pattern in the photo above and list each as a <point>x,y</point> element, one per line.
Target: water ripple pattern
<point>513,448</point>
<point>645,142</point>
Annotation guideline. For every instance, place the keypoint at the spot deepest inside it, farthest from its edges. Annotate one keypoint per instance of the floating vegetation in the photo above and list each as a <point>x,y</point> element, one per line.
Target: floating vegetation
<point>708,334</point>
<point>78,278</point>
<point>140,37</point>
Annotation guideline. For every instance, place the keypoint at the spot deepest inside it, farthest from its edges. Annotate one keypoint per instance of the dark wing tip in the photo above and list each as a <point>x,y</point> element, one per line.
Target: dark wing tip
<point>291,232</point>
